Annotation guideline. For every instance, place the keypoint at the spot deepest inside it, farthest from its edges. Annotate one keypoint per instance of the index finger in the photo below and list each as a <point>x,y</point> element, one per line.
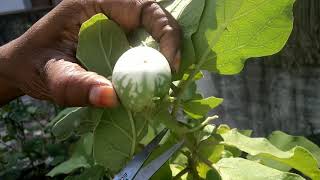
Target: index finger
<point>165,29</point>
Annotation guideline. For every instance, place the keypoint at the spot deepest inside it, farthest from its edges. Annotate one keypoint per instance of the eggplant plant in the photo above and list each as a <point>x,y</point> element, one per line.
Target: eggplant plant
<point>218,36</point>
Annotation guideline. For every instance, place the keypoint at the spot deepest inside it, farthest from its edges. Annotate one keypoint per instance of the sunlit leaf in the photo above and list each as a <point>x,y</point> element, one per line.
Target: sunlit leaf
<point>232,31</point>
<point>243,169</point>
<point>298,157</point>
<point>197,109</point>
<point>286,142</point>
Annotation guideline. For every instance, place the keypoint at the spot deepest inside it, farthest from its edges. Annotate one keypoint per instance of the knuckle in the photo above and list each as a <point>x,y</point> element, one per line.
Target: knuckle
<point>167,29</point>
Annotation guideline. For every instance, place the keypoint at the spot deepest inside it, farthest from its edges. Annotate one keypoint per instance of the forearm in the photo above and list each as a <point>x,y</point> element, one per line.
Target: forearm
<point>8,91</point>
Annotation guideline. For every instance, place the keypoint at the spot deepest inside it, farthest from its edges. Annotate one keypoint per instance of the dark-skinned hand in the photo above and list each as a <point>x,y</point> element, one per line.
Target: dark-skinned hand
<point>42,63</point>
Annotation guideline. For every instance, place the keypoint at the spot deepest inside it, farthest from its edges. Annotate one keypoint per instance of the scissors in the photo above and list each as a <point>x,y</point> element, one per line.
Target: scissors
<point>134,169</point>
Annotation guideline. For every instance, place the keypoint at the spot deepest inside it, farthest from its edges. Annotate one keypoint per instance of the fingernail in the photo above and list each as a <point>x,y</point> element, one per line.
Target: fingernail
<point>103,96</point>
<point>176,61</point>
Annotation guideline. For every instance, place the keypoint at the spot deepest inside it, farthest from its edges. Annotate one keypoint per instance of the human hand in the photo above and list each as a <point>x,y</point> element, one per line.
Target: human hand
<point>42,63</point>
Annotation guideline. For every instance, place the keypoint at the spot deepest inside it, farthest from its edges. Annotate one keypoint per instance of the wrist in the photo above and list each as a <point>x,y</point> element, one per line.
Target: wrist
<point>8,88</point>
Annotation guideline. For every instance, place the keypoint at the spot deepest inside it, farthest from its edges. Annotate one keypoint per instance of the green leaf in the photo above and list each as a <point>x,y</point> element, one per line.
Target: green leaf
<point>223,128</point>
<point>188,14</point>
<point>94,173</point>
<point>163,173</point>
<point>116,138</point>
<point>286,142</point>
<point>101,43</point>
<point>213,175</point>
<point>190,92</point>
<point>69,166</point>
<point>211,151</point>
<point>270,163</point>
<point>206,132</point>
<point>187,73</point>
<point>197,109</point>
<point>298,157</point>
<point>84,146</point>
<point>160,114</point>
<point>81,157</point>
<point>232,31</point>
<point>176,169</point>
<point>79,121</point>
<point>243,169</point>
<point>61,115</point>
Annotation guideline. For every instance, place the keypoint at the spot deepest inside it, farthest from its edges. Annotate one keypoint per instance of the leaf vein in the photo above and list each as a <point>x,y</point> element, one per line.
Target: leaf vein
<point>103,49</point>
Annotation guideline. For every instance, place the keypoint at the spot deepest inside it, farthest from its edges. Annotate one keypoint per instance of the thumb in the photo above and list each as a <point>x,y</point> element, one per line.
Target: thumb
<point>71,85</point>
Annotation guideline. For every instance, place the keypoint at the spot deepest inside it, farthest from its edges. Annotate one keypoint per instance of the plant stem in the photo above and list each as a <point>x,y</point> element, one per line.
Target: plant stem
<point>175,127</point>
<point>182,86</point>
<point>181,173</point>
<point>134,134</point>
<point>203,124</point>
<point>208,163</point>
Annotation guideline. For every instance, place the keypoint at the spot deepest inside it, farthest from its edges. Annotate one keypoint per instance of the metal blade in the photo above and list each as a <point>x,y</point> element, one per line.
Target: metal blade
<point>132,168</point>
<point>148,171</point>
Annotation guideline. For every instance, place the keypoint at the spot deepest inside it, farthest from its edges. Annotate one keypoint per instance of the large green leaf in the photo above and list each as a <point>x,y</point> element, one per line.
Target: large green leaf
<point>197,109</point>
<point>116,137</point>
<point>286,142</point>
<point>80,120</point>
<point>65,112</point>
<point>101,43</point>
<point>242,169</point>
<point>232,31</point>
<point>298,157</point>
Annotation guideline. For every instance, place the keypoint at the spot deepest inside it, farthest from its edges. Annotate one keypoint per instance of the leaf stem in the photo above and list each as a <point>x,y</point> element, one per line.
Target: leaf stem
<point>182,86</point>
<point>208,163</point>
<point>134,133</point>
<point>203,124</point>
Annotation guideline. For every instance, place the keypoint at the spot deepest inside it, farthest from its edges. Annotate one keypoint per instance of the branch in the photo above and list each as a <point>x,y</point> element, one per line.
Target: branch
<point>181,173</point>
